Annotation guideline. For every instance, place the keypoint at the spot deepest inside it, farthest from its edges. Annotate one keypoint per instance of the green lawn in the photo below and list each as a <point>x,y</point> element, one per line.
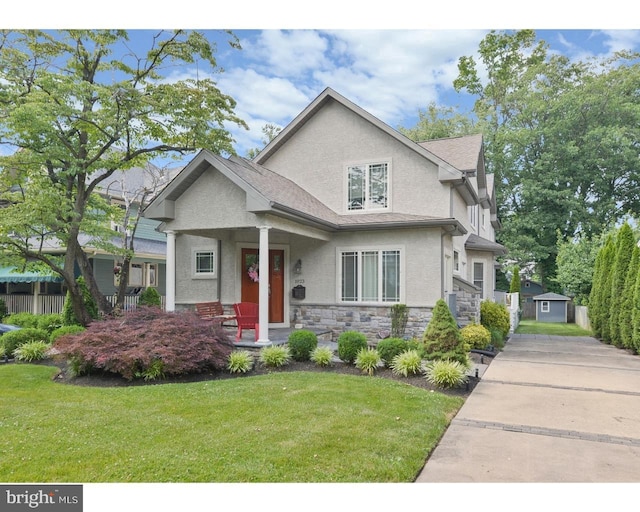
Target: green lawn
<point>555,329</point>
<point>282,427</point>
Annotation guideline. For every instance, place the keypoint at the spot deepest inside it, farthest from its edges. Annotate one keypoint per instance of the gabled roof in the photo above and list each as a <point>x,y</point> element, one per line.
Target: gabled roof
<point>269,192</point>
<point>447,172</point>
<point>551,296</point>
<point>461,152</point>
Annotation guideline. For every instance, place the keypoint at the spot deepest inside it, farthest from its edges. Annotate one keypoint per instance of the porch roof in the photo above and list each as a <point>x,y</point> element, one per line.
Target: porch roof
<point>477,243</point>
<point>10,275</point>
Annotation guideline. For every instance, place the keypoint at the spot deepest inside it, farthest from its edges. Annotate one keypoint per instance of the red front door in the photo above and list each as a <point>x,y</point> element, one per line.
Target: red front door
<point>250,281</point>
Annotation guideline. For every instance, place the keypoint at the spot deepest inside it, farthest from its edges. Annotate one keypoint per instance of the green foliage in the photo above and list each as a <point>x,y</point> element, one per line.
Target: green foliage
<point>495,316</point>
<point>390,348</point>
<point>3,308</point>
<point>150,297</point>
<point>349,344</point>
<point>367,360</point>
<point>407,363</point>
<point>399,318</point>
<point>49,322</point>
<point>31,351</point>
<point>301,344</point>
<point>600,295</point>
<point>275,356</point>
<point>445,373</point>
<point>152,371</point>
<point>240,361</point>
<point>497,338</point>
<point>576,262</point>
<point>13,339</point>
<point>64,330</point>
<point>322,356</point>
<point>442,338</point>
<point>627,305</point>
<point>625,242</point>
<point>437,122</point>
<point>68,315</point>
<point>22,320</point>
<point>477,336</point>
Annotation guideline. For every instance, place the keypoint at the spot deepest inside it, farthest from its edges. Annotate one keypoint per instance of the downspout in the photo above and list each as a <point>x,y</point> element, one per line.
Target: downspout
<point>219,271</point>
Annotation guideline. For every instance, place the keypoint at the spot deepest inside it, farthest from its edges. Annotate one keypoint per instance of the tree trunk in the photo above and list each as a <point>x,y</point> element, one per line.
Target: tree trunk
<point>104,306</point>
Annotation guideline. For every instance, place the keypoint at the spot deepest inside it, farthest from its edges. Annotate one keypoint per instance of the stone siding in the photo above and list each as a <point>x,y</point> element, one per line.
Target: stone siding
<point>468,306</point>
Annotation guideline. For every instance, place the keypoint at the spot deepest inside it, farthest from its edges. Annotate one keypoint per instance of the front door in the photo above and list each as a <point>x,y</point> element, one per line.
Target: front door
<point>250,281</point>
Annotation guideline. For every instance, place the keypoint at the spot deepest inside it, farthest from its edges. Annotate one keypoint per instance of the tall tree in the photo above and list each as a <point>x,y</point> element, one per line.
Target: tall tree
<point>441,122</point>
<point>75,107</point>
<point>627,305</point>
<point>625,242</point>
<point>576,266</point>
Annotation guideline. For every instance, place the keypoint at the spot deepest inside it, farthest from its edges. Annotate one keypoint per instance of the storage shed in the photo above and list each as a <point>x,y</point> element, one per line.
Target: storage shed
<point>551,307</point>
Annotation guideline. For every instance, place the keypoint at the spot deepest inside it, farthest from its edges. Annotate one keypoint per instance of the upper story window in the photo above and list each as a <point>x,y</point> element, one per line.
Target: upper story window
<point>473,216</point>
<point>368,187</point>
<point>456,261</point>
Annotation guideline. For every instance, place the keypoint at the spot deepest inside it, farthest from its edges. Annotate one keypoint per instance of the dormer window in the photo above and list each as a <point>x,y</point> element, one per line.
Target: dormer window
<point>368,187</point>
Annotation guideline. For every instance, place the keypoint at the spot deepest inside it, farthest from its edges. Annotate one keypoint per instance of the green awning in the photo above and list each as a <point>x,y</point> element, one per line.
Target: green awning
<point>9,275</point>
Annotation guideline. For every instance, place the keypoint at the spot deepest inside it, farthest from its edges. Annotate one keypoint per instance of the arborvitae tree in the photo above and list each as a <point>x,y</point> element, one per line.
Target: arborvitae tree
<point>442,339</point>
<point>625,242</point>
<point>515,286</point>
<point>626,312</point>
<point>594,296</point>
<point>604,308</point>
<point>635,315</point>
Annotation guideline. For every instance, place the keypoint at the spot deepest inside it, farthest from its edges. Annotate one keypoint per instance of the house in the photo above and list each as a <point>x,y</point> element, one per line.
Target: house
<point>338,218</point>
<point>45,293</point>
<point>529,289</point>
<point>552,307</point>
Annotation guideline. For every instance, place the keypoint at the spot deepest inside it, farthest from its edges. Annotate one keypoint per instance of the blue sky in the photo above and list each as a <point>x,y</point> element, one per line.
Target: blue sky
<point>392,66</point>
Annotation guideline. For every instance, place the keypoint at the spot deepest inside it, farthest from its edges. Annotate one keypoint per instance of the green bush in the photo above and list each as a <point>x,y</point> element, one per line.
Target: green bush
<point>240,361</point>
<point>150,297</point>
<point>368,360</point>
<point>22,320</point>
<point>64,330</point>
<point>476,336</point>
<point>301,344</point>
<point>399,317</point>
<point>442,339</point>
<point>13,339</point>
<point>3,308</point>
<point>322,356</point>
<point>31,351</point>
<point>68,316</point>
<point>390,348</point>
<point>49,322</point>
<point>497,338</point>
<point>153,371</point>
<point>495,316</point>
<point>445,373</point>
<point>416,345</point>
<point>349,344</point>
<point>407,363</point>
<point>275,356</point>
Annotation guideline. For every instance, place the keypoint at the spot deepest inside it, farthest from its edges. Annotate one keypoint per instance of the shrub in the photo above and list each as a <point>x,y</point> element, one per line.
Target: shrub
<point>2,352</point>
<point>322,356</point>
<point>149,297</point>
<point>399,317</point>
<point>49,322</point>
<point>68,316</point>
<point>442,339</point>
<point>32,351</point>
<point>407,363</point>
<point>13,339</point>
<point>64,330</point>
<point>497,338</point>
<point>349,344</point>
<point>368,360</point>
<point>240,361</point>
<point>416,345</point>
<point>495,316</point>
<point>476,336</point>
<point>132,344</point>
<point>390,348</point>
<point>22,320</point>
<point>301,344</point>
<point>153,371</point>
<point>3,308</point>
<point>445,373</point>
<point>275,356</point>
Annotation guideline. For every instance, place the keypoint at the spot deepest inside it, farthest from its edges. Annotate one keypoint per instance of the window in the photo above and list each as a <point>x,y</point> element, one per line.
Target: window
<point>456,261</point>
<point>204,261</point>
<point>478,277</point>
<point>473,216</point>
<point>140,274</point>
<point>151,274</point>
<point>368,187</point>
<point>370,276</point>
<point>545,306</point>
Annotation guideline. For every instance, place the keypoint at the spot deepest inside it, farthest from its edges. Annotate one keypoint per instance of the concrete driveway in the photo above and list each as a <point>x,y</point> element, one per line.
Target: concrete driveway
<point>548,409</point>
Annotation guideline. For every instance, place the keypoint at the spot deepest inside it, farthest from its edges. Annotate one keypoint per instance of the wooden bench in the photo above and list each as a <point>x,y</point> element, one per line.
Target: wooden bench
<point>213,311</point>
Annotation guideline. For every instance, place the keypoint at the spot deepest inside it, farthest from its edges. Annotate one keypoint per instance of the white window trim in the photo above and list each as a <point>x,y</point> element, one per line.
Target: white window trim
<point>203,275</point>
<point>360,249</point>
<point>473,274</point>
<point>346,185</point>
<point>545,306</point>
<point>456,262</point>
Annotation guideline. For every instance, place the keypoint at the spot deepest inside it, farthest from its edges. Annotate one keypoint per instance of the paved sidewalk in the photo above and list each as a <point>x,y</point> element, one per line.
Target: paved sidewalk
<point>548,409</point>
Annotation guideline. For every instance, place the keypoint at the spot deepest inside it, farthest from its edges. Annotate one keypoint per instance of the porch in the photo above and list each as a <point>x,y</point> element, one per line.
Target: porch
<point>47,304</point>
<point>278,336</point>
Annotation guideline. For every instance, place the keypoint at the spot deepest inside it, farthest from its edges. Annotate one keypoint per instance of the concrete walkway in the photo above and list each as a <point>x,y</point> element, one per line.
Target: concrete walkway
<point>548,409</point>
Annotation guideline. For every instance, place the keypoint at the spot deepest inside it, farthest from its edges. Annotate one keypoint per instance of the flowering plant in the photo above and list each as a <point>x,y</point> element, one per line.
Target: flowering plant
<point>252,271</point>
<point>117,269</point>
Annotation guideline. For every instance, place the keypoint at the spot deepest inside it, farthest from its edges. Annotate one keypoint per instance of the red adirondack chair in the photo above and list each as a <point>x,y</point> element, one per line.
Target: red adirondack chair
<point>246,317</point>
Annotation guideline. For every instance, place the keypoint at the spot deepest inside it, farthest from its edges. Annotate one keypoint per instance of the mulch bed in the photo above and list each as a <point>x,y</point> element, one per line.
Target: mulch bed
<point>112,380</point>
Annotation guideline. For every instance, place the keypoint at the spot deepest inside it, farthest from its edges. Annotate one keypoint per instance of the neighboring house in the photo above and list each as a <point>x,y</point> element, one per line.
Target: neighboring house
<point>552,307</point>
<point>40,293</point>
<point>354,217</point>
<point>529,289</point>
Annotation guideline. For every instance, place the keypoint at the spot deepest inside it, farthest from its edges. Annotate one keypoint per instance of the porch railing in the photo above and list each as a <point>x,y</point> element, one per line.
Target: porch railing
<point>46,304</point>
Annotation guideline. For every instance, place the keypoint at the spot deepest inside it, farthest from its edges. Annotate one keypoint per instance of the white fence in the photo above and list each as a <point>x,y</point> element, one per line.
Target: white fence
<point>45,304</point>
<point>513,305</point>
<point>582,317</point>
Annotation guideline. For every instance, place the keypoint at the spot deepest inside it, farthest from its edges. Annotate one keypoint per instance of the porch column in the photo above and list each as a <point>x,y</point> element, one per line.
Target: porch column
<point>263,287</point>
<point>171,271</point>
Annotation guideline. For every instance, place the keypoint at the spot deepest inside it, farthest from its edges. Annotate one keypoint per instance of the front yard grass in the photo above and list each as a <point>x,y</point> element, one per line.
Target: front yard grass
<point>552,329</point>
<point>281,427</point>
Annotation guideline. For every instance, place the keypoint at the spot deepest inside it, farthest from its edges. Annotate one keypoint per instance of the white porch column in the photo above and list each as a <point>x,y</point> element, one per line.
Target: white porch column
<point>171,271</point>
<point>263,286</point>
